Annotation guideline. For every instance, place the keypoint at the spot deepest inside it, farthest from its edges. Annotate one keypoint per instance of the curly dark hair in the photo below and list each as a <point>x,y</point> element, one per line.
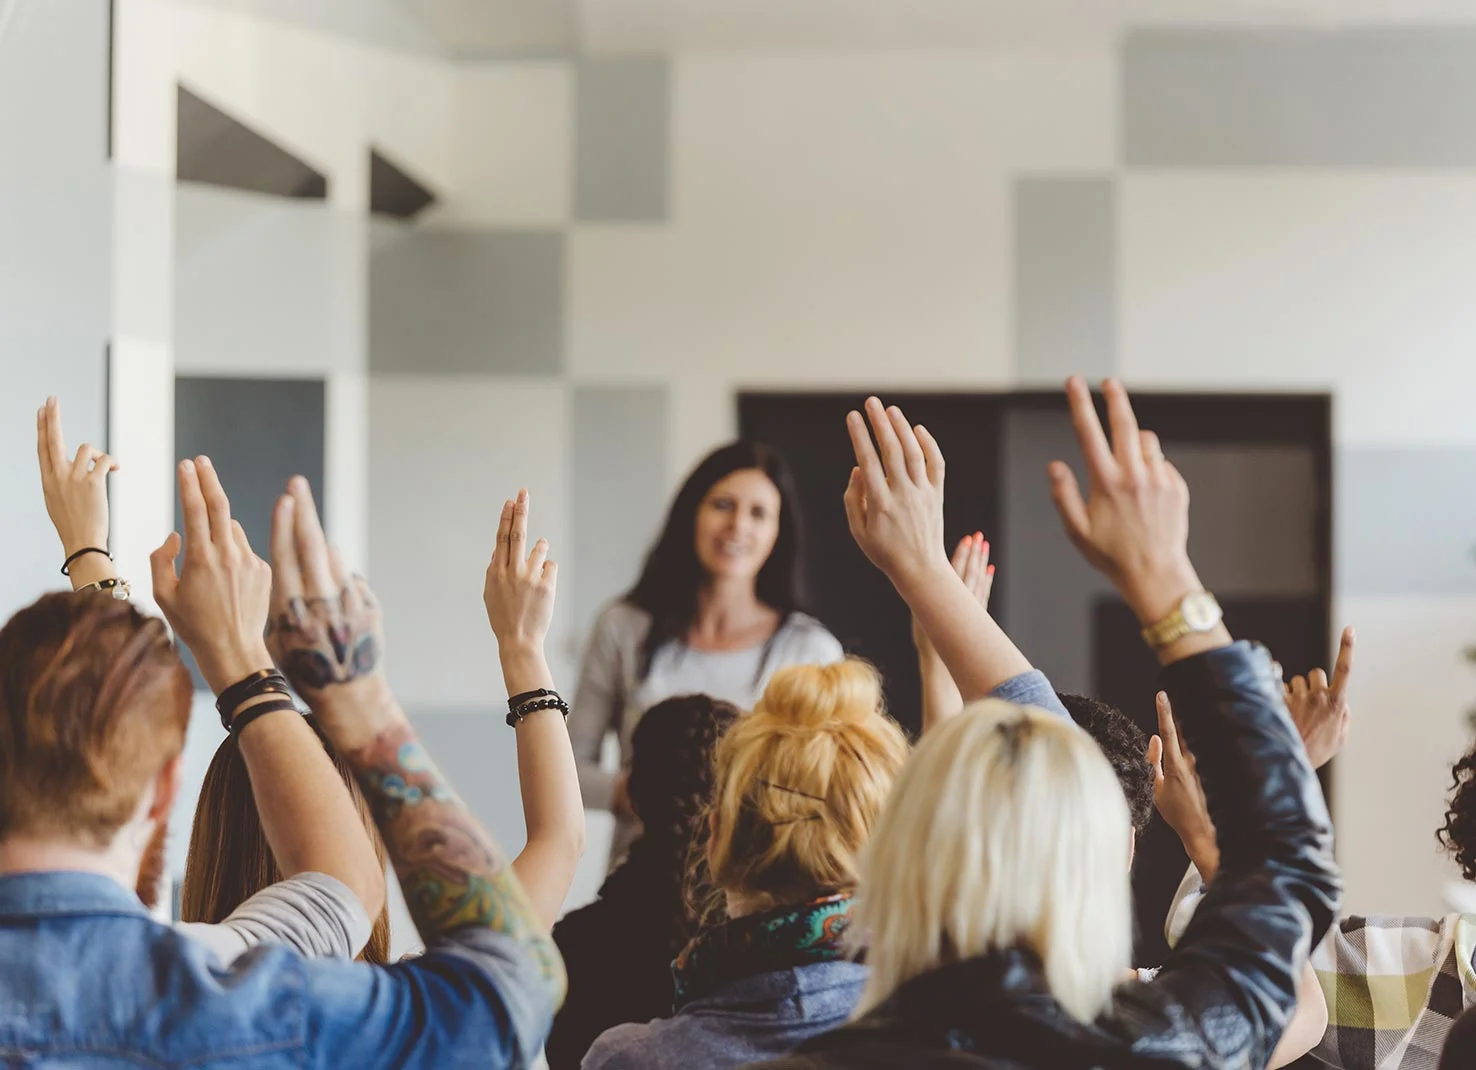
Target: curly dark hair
<point>1126,748</point>
<point>670,785</point>
<point>1459,834</point>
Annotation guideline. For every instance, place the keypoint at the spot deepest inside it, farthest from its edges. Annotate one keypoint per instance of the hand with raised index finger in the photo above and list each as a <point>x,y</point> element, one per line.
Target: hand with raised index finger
<point>1319,707</point>
<point>1178,794</point>
<point>326,632</point>
<point>76,489</point>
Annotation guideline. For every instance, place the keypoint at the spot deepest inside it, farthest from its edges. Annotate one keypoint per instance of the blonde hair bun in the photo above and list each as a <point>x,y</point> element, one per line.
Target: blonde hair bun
<point>823,696</point>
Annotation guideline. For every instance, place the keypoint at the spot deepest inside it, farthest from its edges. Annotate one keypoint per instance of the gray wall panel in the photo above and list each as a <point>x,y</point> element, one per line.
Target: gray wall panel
<point>1065,278</point>
<point>622,150</point>
<point>475,302</point>
<point>1357,97</point>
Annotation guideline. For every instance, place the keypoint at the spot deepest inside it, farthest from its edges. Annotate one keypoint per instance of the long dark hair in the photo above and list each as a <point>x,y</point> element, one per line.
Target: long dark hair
<point>671,774</point>
<point>673,575</point>
<point>1458,836</point>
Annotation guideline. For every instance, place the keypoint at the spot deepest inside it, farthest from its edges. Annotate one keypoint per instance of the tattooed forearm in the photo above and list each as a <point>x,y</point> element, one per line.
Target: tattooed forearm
<point>451,872</point>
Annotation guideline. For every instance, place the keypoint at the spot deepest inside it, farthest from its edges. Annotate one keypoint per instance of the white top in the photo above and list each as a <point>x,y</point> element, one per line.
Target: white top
<point>312,913</point>
<point>611,698</point>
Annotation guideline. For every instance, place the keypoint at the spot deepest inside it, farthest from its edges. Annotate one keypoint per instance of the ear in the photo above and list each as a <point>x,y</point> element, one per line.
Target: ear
<point>166,789</point>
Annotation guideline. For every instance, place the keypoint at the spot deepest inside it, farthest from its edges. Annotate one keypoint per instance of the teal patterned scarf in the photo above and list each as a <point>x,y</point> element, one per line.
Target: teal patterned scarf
<point>778,939</point>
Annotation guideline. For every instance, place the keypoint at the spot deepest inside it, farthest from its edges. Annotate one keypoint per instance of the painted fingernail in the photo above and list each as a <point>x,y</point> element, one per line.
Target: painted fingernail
<point>990,570</point>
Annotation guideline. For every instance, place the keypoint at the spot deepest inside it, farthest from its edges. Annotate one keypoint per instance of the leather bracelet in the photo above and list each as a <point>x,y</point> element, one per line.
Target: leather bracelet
<point>67,564</point>
<point>554,702</point>
<point>261,682</point>
<point>238,725</point>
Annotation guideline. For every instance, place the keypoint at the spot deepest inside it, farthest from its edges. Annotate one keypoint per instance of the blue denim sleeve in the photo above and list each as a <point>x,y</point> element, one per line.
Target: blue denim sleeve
<point>475,1000</point>
<point>1031,689</point>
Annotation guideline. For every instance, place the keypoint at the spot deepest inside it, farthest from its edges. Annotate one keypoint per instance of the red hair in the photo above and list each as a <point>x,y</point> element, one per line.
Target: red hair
<point>94,701</point>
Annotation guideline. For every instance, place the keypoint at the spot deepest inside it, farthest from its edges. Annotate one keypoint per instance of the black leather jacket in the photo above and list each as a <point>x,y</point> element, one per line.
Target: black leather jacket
<point>1225,993</point>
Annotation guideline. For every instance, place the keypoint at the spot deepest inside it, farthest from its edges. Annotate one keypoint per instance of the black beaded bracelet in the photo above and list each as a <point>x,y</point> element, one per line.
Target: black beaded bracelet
<point>553,702</point>
<point>528,696</point>
<point>261,682</point>
<point>238,726</point>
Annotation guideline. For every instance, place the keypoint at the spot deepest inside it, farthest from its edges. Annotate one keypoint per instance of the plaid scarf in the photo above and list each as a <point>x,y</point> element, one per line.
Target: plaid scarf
<point>779,939</point>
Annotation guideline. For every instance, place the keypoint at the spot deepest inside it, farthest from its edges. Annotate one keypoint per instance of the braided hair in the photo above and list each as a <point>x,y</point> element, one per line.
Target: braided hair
<point>1459,834</point>
<point>670,784</point>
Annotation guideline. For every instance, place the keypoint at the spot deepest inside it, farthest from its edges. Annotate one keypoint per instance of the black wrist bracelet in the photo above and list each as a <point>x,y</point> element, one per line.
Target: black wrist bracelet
<point>67,564</point>
<point>528,696</point>
<point>553,702</point>
<point>261,682</point>
<point>238,726</point>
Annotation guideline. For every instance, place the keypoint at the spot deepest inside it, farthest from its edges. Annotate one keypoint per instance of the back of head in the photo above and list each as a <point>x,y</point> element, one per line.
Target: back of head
<point>229,858</point>
<point>1460,1044</point>
<point>670,787</point>
<point>1458,834</point>
<point>1126,748</point>
<point>94,702</point>
<point>1006,830</point>
<point>799,784</point>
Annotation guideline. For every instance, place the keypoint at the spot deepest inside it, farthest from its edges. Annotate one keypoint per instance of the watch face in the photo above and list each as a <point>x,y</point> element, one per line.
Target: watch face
<point>1201,611</point>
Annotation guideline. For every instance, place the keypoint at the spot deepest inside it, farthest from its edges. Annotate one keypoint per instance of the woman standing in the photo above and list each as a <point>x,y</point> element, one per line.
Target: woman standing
<point>717,610</point>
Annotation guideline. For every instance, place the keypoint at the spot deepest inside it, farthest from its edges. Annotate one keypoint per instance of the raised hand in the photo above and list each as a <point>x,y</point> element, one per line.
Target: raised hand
<point>1134,527</point>
<point>894,502</point>
<point>326,633</point>
<point>76,491</point>
<point>1320,709</point>
<point>1179,796</point>
<point>971,562</point>
<point>217,602</point>
<point>519,590</point>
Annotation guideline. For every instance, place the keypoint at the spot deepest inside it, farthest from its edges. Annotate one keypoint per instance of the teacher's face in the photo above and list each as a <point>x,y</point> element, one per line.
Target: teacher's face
<point>738,524</point>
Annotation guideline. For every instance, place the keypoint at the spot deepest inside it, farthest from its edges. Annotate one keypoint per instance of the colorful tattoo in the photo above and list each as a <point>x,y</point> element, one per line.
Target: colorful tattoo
<point>451,872</point>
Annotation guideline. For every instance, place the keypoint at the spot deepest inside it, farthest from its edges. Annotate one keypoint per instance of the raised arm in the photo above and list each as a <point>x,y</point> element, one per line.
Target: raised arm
<point>940,695</point>
<point>519,596</point>
<point>76,492</point>
<point>327,636</point>
<point>894,504</point>
<point>1277,888</point>
<point>217,606</point>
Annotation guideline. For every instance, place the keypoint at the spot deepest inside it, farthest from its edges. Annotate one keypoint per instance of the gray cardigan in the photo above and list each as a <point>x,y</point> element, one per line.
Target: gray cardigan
<point>757,1018</point>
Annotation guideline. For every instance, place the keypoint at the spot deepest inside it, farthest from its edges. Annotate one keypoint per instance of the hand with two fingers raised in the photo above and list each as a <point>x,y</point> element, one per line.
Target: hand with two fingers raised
<point>217,600</point>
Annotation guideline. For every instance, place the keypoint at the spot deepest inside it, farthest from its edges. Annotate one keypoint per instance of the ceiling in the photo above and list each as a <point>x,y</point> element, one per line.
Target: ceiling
<point>483,29</point>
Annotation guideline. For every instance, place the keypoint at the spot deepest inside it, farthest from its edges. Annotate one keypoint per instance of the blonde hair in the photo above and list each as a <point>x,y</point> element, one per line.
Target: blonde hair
<point>1007,829</point>
<point>799,782</point>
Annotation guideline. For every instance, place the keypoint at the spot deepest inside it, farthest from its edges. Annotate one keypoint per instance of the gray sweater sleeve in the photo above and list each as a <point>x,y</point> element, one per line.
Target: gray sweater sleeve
<point>598,702</point>
<point>312,913</point>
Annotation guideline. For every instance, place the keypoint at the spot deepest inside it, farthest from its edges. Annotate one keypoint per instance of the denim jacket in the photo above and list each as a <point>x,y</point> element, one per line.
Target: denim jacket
<point>88,980</point>
<point>758,1017</point>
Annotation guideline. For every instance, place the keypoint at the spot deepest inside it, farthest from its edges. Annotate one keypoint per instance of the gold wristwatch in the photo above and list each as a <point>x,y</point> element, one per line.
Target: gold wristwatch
<point>112,587</point>
<point>1198,612</point>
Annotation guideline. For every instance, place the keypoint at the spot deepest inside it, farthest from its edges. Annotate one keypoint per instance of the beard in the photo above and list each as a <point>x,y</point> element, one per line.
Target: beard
<point>151,867</point>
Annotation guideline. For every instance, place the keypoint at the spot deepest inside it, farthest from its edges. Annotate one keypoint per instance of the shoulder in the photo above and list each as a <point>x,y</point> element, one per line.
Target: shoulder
<point>630,1045</point>
<point>804,640</point>
<point>622,622</point>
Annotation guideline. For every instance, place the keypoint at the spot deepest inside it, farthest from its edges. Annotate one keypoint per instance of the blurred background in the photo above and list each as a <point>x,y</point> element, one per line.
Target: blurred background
<point>429,251</point>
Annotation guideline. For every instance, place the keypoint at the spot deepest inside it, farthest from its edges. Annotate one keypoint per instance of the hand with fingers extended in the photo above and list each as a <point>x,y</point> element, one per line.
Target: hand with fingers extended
<point>971,562</point>
<point>1134,526</point>
<point>1319,708</point>
<point>76,492</point>
<point>326,633</point>
<point>894,502</point>
<point>1178,794</point>
<point>521,584</point>
<point>217,600</point>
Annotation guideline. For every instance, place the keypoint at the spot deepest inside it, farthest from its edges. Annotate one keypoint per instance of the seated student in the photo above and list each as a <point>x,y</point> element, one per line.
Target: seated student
<point>94,703</point>
<point>1136,761</point>
<point>1394,985</point>
<point>233,887</point>
<point>994,895</point>
<point>618,950</point>
<point>327,869</point>
<point>797,784</point>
